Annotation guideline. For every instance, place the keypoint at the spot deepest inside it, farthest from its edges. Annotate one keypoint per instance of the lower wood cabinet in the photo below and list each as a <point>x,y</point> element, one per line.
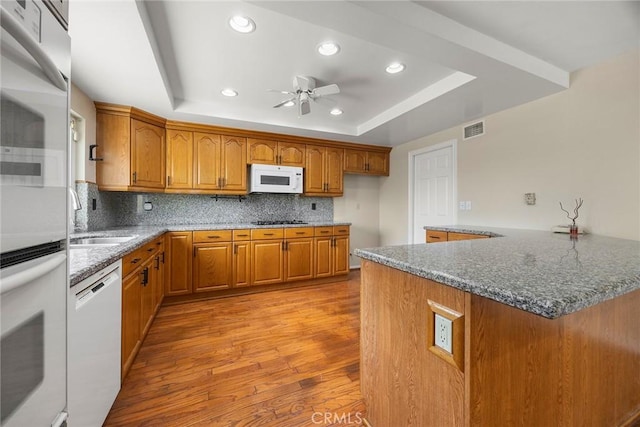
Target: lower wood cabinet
<point>178,253</point>
<point>267,262</point>
<point>142,293</point>
<point>241,263</point>
<point>331,251</point>
<point>298,259</point>
<point>212,266</point>
<point>435,236</point>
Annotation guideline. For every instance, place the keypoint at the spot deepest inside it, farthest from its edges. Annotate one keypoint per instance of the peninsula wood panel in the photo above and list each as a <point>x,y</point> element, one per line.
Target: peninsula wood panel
<point>411,385</point>
<point>581,369</point>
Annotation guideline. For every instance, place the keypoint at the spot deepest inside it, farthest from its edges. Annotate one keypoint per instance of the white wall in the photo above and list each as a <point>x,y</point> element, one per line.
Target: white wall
<point>582,142</point>
<point>360,205</point>
<point>83,106</point>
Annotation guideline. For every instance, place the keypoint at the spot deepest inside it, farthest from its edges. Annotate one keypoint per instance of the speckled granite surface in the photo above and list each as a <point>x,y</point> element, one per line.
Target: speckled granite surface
<point>537,271</point>
<point>471,229</point>
<point>85,262</point>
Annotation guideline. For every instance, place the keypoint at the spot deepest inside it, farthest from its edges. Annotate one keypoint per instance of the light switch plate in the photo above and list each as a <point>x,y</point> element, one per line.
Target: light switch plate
<point>443,333</point>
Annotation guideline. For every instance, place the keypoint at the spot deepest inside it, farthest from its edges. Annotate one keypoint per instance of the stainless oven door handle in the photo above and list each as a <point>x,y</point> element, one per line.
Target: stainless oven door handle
<point>13,27</point>
<point>27,276</point>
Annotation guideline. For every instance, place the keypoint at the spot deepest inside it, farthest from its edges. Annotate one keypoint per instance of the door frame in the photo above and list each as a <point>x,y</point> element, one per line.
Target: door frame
<point>453,143</point>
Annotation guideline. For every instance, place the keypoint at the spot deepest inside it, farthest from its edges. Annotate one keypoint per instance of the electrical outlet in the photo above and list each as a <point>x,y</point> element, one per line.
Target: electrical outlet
<point>443,333</point>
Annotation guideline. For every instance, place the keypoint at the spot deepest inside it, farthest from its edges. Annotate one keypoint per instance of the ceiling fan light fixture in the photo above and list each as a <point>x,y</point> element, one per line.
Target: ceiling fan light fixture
<point>328,48</point>
<point>289,104</point>
<point>336,112</point>
<point>229,92</point>
<point>395,68</point>
<point>242,24</point>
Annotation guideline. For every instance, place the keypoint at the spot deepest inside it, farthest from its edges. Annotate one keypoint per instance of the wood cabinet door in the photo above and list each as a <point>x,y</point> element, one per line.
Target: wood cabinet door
<point>147,309</point>
<point>262,151</point>
<point>334,170</point>
<point>179,159</point>
<point>355,161</point>
<point>130,341</point>
<point>242,264</point>
<point>314,182</point>
<point>298,263</point>
<point>267,262</point>
<point>147,155</point>
<point>212,266</point>
<point>233,164</point>
<point>113,136</point>
<point>323,264</point>
<point>341,255</point>
<point>207,149</point>
<point>291,154</point>
<point>178,263</point>
<point>377,163</point>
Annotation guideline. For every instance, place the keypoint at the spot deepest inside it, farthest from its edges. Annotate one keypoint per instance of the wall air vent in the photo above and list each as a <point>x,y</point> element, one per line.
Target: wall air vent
<point>473,130</point>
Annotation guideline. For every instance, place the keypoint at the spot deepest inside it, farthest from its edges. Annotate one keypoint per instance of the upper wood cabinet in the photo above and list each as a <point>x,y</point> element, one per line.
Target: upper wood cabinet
<point>270,152</point>
<point>205,163</point>
<point>366,162</point>
<point>323,172</point>
<point>179,159</point>
<point>131,144</point>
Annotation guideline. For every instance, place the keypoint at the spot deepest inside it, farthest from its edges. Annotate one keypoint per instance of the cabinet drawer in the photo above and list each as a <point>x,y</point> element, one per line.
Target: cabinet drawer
<point>132,261</point>
<point>340,230</point>
<point>240,235</point>
<point>434,236</point>
<point>323,231</point>
<point>465,236</point>
<point>292,233</point>
<point>266,233</point>
<point>211,236</point>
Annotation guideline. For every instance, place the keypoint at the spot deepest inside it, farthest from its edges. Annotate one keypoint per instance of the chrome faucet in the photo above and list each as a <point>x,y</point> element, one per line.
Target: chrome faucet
<point>75,200</point>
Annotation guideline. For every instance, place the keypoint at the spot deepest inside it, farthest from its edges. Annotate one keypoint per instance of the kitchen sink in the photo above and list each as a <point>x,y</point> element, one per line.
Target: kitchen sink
<point>92,242</point>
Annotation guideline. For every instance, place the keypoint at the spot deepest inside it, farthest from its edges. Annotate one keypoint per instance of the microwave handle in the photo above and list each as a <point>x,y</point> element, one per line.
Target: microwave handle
<point>13,27</point>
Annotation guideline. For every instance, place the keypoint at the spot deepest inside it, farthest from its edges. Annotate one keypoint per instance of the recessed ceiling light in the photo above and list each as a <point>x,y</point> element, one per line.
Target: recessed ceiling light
<point>395,67</point>
<point>328,48</point>
<point>289,104</point>
<point>242,24</point>
<point>336,111</point>
<point>229,92</point>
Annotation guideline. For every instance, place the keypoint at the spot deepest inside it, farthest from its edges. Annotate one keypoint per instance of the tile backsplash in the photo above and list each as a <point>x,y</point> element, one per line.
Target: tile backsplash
<point>116,209</point>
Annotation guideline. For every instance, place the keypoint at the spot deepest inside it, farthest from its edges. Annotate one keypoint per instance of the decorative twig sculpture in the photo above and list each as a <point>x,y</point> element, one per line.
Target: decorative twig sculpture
<point>574,228</point>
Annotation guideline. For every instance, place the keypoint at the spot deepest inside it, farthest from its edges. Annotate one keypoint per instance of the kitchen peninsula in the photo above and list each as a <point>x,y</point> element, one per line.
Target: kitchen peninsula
<point>543,330</point>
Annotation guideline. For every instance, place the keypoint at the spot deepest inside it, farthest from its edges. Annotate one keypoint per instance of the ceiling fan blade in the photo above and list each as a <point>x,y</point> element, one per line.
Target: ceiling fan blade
<point>304,83</point>
<point>326,90</point>
<point>284,102</point>
<point>281,91</point>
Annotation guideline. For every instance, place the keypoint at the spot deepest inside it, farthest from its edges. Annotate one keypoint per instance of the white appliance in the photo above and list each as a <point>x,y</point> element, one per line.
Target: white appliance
<point>94,339</point>
<point>34,114</point>
<point>275,179</point>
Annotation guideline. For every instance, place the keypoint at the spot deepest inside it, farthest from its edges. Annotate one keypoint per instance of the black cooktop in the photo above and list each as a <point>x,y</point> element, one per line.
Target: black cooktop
<point>279,222</point>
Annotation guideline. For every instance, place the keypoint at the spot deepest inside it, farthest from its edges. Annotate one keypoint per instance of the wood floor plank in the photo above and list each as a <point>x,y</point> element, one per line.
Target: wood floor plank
<point>282,358</point>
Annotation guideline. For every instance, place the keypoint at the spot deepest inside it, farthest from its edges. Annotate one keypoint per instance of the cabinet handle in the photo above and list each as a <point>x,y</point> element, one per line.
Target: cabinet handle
<point>366,167</point>
<point>158,243</point>
<point>323,232</point>
<point>333,241</point>
<point>280,160</point>
<point>219,182</point>
<point>135,177</point>
<point>163,257</point>
<point>158,262</point>
<point>150,250</point>
<point>213,237</point>
<point>242,235</point>
<point>268,234</point>
<point>135,260</point>
<point>194,251</point>
<point>169,180</point>
<point>299,232</point>
<point>235,249</point>
<point>145,276</point>
<point>283,246</point>
<point>434,237</point>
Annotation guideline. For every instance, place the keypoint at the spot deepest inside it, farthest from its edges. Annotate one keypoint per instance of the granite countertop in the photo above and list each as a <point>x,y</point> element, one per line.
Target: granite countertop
<point>537,271</point>
<point>83,262</point>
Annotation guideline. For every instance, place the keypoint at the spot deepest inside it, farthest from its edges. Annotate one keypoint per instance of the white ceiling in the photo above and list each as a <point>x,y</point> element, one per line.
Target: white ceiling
<point>464,60</point>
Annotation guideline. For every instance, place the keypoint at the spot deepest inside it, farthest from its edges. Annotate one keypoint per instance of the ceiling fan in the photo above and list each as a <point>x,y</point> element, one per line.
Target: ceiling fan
<point>305,90</point>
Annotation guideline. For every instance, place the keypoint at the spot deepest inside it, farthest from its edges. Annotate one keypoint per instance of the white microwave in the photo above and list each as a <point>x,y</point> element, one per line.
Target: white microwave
<point>275,179</point>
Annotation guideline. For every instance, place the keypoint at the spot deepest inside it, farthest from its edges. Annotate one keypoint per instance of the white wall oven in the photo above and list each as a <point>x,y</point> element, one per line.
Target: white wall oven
<point>34,114</point>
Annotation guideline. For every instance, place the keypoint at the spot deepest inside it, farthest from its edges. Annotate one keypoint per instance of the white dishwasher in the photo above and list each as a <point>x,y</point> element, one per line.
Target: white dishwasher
<point>94,325</point>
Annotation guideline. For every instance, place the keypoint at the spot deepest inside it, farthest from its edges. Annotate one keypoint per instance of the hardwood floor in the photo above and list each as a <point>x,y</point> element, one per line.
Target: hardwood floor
<point>282,358</point>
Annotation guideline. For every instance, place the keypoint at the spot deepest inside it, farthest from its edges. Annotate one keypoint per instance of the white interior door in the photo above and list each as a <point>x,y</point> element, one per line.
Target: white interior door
<point>433,188</point>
